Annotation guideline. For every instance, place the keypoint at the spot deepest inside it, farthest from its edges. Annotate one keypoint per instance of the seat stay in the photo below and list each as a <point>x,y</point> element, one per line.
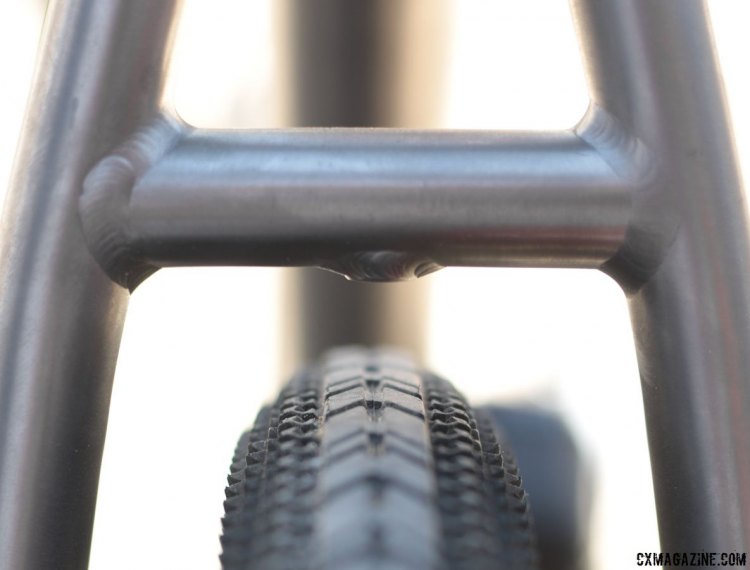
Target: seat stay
<point>107,188</point>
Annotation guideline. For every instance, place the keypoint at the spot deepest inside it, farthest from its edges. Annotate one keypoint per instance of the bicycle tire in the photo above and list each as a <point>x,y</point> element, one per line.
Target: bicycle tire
<point>366,462</point>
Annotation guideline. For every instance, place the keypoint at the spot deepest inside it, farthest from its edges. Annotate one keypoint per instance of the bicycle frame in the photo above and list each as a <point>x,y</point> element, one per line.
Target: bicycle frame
<point>108,186</point>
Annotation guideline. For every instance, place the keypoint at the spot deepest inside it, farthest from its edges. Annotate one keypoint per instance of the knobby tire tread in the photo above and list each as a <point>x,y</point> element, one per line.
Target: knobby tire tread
<point>365,462</point>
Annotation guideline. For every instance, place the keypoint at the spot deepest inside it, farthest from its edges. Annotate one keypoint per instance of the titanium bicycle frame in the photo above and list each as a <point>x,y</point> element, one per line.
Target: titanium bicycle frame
<point>108,186</point>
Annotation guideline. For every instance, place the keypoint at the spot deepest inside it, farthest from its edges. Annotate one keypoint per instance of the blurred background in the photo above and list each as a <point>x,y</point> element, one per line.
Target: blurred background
<point>204,348</point>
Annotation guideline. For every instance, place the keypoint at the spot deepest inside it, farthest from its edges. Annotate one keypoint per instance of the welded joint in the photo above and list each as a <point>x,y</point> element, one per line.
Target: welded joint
<point>384,266</point>
<point>654,218</point>
<point>627,156</point>
<point>106,213</point>
<point>105,201</point>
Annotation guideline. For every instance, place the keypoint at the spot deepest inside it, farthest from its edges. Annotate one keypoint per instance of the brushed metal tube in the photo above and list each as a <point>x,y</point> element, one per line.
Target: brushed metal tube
<point>361,64</point>
<point>375,205</point>
<point>685,263</point>
<point>99,77</point>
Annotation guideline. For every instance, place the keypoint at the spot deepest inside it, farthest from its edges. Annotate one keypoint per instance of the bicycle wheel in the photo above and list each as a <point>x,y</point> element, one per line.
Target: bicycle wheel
<point>365,461</point>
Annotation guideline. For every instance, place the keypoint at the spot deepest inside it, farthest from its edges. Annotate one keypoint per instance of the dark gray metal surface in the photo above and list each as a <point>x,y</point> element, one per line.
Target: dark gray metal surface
<point>646,188</point>
<point>685,263</point>
<point>336,64</point>
<point>345,70</point>
<point>376,205</point>
<point>99,77</point>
